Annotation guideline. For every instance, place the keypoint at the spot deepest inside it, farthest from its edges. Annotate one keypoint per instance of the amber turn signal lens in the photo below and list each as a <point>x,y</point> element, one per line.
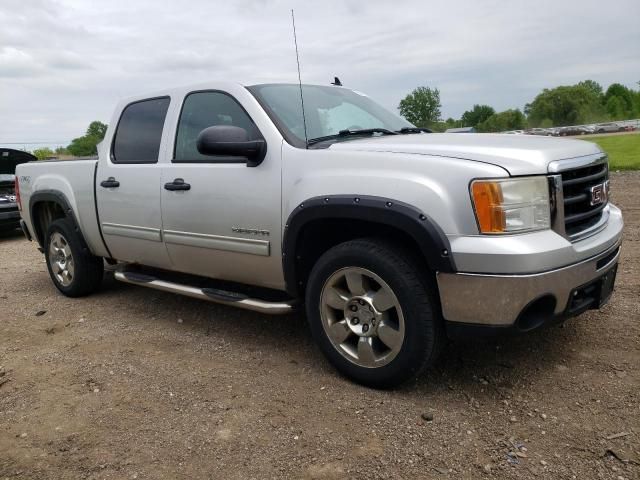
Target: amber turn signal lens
<point>488,200</point>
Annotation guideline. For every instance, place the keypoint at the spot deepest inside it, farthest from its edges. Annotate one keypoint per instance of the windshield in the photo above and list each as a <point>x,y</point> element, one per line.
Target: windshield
<point>328,111</point>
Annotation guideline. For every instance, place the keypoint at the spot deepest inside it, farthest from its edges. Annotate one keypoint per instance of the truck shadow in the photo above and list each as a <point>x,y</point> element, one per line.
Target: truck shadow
<point>500,367</point>
<point>10,234</point>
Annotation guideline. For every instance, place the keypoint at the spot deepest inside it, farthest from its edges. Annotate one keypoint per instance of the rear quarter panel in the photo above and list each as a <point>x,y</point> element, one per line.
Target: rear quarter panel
<point>74,179</point>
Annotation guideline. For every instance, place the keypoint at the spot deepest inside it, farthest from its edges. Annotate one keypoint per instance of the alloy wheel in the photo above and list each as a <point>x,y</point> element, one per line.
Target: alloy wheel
<point>362,317</point>
<point>61,259</point>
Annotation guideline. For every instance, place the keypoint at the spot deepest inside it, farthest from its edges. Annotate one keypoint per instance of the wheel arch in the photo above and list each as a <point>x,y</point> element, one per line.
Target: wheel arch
<point>46,206</point>
<point>320,223</point>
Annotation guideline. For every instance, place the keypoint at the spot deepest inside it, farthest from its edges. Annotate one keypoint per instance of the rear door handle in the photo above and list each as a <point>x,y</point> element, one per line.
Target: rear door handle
<point>177,184</point>
<point>110,183</point>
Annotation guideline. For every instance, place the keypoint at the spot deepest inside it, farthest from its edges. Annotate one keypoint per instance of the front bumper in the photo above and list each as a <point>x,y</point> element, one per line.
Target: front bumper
<point>525,301</point>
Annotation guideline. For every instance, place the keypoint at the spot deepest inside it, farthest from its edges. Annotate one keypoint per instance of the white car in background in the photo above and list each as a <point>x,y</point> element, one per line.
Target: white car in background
<point>545,132</point>
<point>608,128</point>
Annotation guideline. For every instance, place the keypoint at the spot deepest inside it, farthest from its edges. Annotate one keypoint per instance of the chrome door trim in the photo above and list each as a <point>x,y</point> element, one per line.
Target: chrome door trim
<point>218,242</point>
<point>132,231</point>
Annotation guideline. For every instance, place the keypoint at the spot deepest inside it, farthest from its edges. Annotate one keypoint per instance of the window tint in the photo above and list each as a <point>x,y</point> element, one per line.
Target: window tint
<point>206,109</point>
<point>139,131</point>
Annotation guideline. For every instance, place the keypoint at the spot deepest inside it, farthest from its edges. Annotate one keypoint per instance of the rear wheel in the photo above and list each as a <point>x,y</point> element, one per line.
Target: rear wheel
<point>73,269</point>
<point>372,313</point>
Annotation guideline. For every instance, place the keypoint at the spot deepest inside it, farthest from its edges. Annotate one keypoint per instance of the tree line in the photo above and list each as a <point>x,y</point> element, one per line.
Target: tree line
<point>582,103</point>
<point>84,146</point>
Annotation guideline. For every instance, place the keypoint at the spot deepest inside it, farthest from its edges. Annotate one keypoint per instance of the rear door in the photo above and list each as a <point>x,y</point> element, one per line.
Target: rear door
<point>227,224</point>
<point>128,185</point>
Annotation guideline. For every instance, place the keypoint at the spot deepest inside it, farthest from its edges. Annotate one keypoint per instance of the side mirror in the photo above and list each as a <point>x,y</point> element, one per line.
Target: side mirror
<point>233,141</point>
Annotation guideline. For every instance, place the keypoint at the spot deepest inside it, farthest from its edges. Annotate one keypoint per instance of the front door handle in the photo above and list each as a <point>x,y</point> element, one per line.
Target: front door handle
<point>177,184</point>
<point>110,183</point>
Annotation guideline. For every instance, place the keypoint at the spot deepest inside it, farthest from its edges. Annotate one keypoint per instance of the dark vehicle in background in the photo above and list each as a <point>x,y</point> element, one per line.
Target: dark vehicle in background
<point>609,127</point>
<point>575,130</point>
<point>9,159</point>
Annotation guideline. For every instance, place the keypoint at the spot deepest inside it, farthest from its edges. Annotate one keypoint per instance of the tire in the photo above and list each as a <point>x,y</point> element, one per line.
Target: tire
<point>402,339</point>
<point>72,268</point>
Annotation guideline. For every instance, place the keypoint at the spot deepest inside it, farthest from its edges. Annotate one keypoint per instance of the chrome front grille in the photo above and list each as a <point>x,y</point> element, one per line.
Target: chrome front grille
<point>582,192</point>
<point>577,185</point>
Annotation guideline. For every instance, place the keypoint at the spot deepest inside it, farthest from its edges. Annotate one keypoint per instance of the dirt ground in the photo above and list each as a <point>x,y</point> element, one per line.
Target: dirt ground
<point>133,383</point>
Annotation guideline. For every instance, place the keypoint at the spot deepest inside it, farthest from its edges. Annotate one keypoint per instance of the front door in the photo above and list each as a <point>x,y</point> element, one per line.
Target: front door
<point>221,219</point>
<point>128,186</point>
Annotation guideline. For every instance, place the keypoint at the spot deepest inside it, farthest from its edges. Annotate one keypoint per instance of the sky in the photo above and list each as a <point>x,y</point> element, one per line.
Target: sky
<point>64,63</point>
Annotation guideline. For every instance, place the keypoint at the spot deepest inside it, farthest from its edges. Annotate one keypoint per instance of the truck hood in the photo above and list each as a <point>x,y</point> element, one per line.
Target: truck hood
<point>518,154</point>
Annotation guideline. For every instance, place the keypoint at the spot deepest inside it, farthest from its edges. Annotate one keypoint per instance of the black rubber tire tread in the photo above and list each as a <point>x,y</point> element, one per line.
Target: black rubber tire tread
<point>89,269</point>
<point>424,330</point>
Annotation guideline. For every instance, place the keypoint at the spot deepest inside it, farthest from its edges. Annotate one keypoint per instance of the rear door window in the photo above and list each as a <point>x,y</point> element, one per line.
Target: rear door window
<point>137,138</point>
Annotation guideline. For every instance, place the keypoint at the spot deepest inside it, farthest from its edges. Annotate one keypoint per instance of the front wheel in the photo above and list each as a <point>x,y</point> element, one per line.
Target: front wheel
<point>72,267</point>
<point>372,312</point>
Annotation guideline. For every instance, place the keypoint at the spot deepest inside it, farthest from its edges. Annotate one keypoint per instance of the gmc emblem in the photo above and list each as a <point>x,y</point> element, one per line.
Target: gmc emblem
<point>599,193</point>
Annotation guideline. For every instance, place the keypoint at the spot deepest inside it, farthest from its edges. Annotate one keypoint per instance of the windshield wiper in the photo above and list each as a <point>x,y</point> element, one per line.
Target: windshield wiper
<point>365,131</point>
<point>406,130</point>
<point>349,133</point>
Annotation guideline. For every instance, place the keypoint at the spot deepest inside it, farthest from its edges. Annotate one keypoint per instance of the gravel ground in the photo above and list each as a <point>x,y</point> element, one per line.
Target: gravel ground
<point>134,383</point>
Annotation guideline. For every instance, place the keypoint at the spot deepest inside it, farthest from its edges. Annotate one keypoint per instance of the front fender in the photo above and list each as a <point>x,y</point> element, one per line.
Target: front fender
<point>426,233</point>
<point>437,186</point>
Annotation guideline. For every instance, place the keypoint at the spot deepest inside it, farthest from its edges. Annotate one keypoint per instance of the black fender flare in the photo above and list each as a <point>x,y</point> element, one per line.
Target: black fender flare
<point>52,196</point>
<point>433,243</point>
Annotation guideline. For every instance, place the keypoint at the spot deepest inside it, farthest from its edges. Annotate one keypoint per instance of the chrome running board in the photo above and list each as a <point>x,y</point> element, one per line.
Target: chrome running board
<point>214,295</point>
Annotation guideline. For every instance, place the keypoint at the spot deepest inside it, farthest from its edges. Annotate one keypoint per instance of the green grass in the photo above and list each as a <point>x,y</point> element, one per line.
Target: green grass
<point>623,150</point>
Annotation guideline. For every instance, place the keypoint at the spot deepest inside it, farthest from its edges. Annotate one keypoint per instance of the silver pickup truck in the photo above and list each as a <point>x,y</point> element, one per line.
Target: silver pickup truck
<point>392,238</point>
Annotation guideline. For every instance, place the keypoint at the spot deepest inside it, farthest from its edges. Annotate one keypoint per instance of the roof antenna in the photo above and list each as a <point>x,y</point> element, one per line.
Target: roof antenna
<point>336,82</point>
<point>304,118</point>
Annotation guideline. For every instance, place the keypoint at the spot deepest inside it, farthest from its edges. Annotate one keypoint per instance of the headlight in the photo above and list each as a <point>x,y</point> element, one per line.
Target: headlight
<point>511,205</point>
